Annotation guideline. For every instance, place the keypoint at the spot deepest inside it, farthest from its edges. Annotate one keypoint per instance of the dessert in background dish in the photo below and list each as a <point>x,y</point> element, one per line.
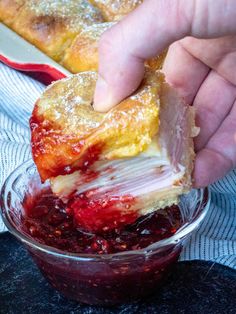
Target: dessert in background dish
<point>53,26</point>
<point>68,31</point>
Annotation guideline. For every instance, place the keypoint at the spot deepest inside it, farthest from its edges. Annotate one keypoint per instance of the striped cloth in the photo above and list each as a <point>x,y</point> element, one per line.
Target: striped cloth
<point>215,240</point>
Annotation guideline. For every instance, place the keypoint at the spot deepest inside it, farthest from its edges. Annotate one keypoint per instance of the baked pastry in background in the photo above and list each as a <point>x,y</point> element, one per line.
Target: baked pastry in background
<point>9,10</point>
<point>52,25</point>
<point>82,55</point>
<point>128,162</point>
<point>114,10</point>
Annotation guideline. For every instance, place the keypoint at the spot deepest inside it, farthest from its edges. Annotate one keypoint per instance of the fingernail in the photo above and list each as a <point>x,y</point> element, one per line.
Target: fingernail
<point>102,96</point>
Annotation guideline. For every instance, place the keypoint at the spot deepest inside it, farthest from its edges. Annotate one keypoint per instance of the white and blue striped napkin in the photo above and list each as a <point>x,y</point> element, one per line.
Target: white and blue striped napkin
<point>215,240</point>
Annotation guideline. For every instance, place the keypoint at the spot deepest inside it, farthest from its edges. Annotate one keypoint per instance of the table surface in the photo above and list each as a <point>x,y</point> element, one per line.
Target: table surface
<point>194,287</point>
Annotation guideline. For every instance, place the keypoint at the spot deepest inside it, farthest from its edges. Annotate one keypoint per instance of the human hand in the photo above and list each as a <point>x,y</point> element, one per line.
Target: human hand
<point>202,67</point>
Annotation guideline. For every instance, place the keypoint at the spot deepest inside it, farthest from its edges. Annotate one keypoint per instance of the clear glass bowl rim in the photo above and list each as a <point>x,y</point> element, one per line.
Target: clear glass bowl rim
<point>176,238</point>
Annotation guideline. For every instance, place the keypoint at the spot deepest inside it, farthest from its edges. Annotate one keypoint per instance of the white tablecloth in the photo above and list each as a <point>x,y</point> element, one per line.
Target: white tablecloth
<point>215,240</point>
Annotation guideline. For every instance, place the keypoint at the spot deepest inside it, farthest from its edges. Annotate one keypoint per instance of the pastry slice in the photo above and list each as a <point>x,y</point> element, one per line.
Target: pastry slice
<point>52,25</point>
<point>110,168</point>
<point>114,10</point>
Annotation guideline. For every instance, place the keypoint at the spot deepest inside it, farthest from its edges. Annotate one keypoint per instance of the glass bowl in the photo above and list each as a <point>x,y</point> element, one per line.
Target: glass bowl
<point>99,279</point>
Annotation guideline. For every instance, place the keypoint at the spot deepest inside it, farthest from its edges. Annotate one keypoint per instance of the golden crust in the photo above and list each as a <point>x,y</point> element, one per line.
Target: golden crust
<point>52,25</point>
<point>9,10</point>
<point>114,10</point>
<point>65,127</point>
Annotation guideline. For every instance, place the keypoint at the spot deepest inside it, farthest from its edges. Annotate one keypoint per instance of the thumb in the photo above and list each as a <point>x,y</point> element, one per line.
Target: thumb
<point>145,33</point>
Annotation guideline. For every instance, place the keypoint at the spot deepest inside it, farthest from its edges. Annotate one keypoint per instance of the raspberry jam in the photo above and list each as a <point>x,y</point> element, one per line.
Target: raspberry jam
<point>100,278</point>
<point>47,220</point>
<point>102,214</point>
